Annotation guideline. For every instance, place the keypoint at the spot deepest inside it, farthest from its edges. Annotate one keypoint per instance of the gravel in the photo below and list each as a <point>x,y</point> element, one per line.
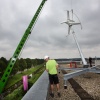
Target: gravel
<point>90,82</point>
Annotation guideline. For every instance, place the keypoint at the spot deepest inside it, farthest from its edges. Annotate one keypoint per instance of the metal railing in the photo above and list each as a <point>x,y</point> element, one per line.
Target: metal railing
<point>39,91</point>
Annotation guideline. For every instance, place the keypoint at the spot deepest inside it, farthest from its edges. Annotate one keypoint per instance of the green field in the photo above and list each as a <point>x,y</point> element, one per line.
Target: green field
<point>18,93</point>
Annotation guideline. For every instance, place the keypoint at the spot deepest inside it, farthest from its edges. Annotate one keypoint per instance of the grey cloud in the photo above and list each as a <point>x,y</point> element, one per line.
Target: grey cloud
<point>48,32</point>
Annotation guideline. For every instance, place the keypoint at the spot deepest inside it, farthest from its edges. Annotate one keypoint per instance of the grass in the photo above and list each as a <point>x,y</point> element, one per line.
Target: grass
<point>19,92</point>
<point>16,95</point>
<point>18,77</point>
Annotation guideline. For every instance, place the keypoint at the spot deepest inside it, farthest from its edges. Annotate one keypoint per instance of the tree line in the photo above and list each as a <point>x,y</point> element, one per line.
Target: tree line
<point>20,65</point>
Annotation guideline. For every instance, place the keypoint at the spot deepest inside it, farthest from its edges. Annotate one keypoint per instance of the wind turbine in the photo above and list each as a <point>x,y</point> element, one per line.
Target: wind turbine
<point>70,23</point>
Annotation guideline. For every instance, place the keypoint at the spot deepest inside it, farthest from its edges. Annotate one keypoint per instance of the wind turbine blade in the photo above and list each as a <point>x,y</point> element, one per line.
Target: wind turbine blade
<point>72,14</point>
<point>69,29</point>
<point>68,15</point>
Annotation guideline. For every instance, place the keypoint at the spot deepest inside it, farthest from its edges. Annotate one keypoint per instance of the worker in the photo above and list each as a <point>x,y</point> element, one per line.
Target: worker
<point>51,68</point>
<point>90,61</point>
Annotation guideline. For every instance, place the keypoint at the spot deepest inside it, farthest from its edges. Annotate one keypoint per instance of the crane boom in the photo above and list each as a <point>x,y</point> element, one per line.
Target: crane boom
<point>19,47</point>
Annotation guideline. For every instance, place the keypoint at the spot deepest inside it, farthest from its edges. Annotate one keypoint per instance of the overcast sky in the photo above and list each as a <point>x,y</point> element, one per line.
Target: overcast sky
<point>49,35</point>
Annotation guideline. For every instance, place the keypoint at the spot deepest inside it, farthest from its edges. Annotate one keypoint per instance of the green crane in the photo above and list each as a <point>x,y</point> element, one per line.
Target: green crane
<point>19,47</point>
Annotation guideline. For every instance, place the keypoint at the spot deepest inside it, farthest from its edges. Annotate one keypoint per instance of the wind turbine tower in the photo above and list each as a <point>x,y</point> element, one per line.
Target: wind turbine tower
<point>70,23</point>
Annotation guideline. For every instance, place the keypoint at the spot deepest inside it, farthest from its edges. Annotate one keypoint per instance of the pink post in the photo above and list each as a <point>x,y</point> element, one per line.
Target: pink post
<point>25,82</point>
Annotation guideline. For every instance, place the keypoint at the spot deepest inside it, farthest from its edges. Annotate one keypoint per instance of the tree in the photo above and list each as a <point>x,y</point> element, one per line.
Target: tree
<point>40,61</point>
<point>29,62</point>
<point>34,62</point>
<point>22,64</point>
<point>16,67</point>
<point>2,67</point>
<point>37,61</point>
<point>4,60</point>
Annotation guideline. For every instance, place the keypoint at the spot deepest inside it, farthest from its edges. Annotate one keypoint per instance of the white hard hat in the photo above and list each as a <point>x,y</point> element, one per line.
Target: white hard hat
<point>45,57</point>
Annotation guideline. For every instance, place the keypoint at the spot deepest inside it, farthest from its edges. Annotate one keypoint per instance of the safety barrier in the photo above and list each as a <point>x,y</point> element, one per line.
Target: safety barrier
<point>39,91</point>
